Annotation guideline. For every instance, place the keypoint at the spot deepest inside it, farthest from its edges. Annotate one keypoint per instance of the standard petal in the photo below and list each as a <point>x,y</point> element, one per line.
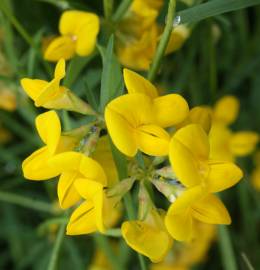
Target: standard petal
<point>91,190</point>
<point>146,239</point>
<point>179,226</point>
<point>61,47</point>
<point>153,140</point>
<point>243,143</point>
<point>135,83</point>
<point>35,167</point>
<point>211,210</point>
<point>184,164</point>
<point>226,110</point>
<point>60,69</point>
<point>223,175</point>
<point>170,110</point>
<point>82,220</point>
<point>49,128</point>
<point>67,193</point>
<point>74,161</point>
<point>202,116</point>
<point>33,88</point>
<point>194,138</point>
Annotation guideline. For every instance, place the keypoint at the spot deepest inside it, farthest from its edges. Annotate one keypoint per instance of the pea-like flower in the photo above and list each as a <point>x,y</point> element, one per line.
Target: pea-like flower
<point>190,160</point>
<point>36,166</point>
<point>52,95</point>
<point>136,120</point>
<point>73,165</point>
<point>78,31</point>
<point>194,204</point>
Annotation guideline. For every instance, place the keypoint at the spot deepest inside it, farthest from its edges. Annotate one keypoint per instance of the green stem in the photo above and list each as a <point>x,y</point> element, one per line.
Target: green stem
<point>160,50</point>
<point>212,65</point>
<point>27,202</point>
<point>104,245</point>
<point>226,249</point>
<point>122,9</point>
<point>57,248</point>
<point>108,8</point>
<point>142,261</point>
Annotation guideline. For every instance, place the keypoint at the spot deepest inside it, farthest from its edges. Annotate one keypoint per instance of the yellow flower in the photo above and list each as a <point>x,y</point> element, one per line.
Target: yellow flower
<point>131,126</point>
<point>148,237</point>
<point>136,120</point>
<point>189,157</point>
<point>51,95</point>
<point>226,110</point>
<point>36,167</point>
<point>7,99</point>
<point>93,214</point>
<point>5,135</point>
<point>194,204</point>
<point>71,166</point>
<point>78,31</point>
<point>138,34</point>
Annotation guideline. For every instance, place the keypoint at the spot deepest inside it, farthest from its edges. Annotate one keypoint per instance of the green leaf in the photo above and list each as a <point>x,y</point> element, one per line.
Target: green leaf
<point>213,8</point>
<point>111,79</point>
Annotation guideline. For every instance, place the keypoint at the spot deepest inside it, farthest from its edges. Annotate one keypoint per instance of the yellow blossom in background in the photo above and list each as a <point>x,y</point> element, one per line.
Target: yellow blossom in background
<point>255,177</point>
<point>7,98</point>
<point>51,95</point>
<point>78,31</point>
<point>149,236</point>
<point>226,144</point>
<point>138,35</point>
<point>5,135</point>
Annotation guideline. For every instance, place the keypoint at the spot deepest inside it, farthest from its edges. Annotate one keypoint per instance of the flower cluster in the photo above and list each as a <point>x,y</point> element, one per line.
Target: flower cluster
<point>150,130</point>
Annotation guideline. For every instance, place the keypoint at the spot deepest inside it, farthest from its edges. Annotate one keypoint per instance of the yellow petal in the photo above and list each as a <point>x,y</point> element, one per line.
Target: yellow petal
<point>186,199</point>
<point>82,220</point>
<point>194,138</point>
<point>226,109</point>
<point>243,143</point>
<point>74,161</point>
<point>138,84</point>
<point>104,157</point>
<point>223,175</point>
<point>184,164</point>
<point>211,210</point>
<point>219,138</point>
<point>49,128</point>
<point>33,88</point>
<point>201,116</point>
<point>146,239</point>
<point>67,193</point>
<point>87,35</point>
<point>153,140</point>
<point>91,190</point>
<point>51,92</point>
<point>179,225</point>
<point>35,167</point>
<point>177,38</point>
<point>61,47</point>
<point>256,178</point>
<point>60,69</point>
<point>170,110</point>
